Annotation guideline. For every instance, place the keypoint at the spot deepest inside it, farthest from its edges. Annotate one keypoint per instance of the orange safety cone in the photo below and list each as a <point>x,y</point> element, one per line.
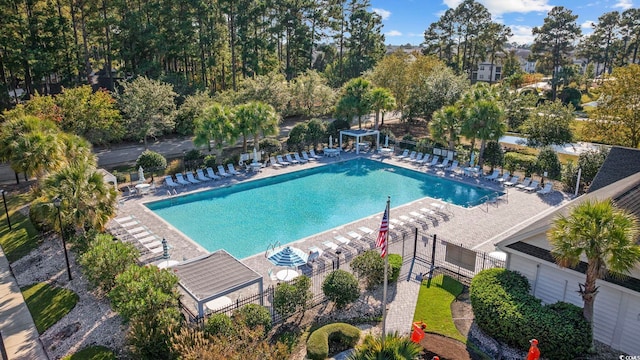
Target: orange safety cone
<point>534,352</point>
<point>418,331</point>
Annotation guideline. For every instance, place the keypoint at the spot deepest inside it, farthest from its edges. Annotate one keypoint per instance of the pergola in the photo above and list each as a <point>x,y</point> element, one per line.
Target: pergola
<point>214,275</point>
<point>359,134</point>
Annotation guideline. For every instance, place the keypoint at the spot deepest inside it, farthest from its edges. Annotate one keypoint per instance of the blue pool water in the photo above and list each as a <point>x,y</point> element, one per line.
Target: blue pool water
<point>245,218</point>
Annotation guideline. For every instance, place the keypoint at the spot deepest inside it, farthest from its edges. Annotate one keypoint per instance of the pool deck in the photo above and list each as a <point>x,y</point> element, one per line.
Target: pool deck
<point>473,227</point>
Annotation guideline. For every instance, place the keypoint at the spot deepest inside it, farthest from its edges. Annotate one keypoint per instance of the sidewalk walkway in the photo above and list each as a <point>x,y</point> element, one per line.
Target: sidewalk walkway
<point>19,333</point>
<point>401,308</point>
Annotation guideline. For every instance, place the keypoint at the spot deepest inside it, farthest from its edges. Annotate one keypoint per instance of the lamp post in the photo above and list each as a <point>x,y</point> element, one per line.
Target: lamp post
<point>57,202</point>
<point>184,164</point>
<point>338,252</point>
<point>4,200</point>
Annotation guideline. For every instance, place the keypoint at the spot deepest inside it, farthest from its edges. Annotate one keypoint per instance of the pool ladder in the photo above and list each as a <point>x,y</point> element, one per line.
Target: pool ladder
<point>273,246</point>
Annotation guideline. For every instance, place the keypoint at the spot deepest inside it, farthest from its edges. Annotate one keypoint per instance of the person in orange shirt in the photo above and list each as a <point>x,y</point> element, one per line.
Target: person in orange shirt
<point>534,352</point>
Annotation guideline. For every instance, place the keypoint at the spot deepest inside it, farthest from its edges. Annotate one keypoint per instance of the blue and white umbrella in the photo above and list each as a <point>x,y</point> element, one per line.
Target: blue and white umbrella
<point>289,256</point>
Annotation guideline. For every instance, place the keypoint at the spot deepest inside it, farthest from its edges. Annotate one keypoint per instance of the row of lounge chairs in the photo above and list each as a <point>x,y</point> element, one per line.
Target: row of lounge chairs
<point>420,159</point>
<point>131,230</point>
<point>527,184</point>
<point>201,176</point>
<point>294,158</point>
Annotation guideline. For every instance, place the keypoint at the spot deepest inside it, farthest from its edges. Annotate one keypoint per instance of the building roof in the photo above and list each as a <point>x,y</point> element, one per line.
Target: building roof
<point>619,164</point>
<point>213,275</point>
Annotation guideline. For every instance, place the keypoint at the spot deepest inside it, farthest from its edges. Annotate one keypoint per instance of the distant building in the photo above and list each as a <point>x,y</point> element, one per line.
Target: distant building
<point>487,72</point>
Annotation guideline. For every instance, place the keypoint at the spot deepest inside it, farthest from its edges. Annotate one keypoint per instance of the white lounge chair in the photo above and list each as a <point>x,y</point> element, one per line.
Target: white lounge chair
<point>425,159</point>
<point>291,160</point>
<point>232,170</point>
<point>212,175</point>
<point>222,172</point>
<point>312,153</point>
<point>418,158</point>
<point>191,179</point>
<point>453,167</point>
<point>181,180</point>
<point>504,177</point>
<point>169,181</point>
<point>514,180</point>
<point>307,157</point>
<point>201,176</point>
<point>342,239</point>
<point>435,160</point>
<point>274,162</point>
<point>282,162</point>
<point>533,187</point>
<point>411,156</point>
<point>443,164</point>
<point>365,230</point>
<point>330,244</point>
<point>493,175</point>
<point>548,187</point>
<point>524,183</point>
<point>404,154</point>
<point>300,160</point>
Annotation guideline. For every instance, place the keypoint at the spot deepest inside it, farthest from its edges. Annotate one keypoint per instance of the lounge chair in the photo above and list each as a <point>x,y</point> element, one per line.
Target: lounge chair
<point>418,158</point>
<point>282,162</point>
<point>191,179</point>
<point>232,170</point>
<point>202,176</point>
<point>404,154</point>
<point>342,239</point>
<point>493,175</point>
<point>514,180</point>
<point>453,167</point>
<point>533,187</point>
<point>300,160</point>
<point>330,244</point>
<point>181,180</point>
<point>524,183</point>
<point>365,230</point>
<point>424,160</point>
<point>274,162</point>
<point>222,172</point>
<point>212,175</point>
<point>314,253</point>
<point>312,153</point>
<point>411,156</point>
<point>548,187</point>
<point>435,160</point>
<point>443,164</point>
<point>307,157</point>
<point>504,177</point>
<point>291,160</point>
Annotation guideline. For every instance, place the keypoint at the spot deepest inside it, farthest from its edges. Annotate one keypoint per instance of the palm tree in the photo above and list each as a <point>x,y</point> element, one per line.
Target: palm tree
<point>214,124</point>
<point>255,118</point>
<point>395,348</point>
<point>87,201</point>
<point>491,124</point>
<point>605,235</point>
<point>381,100</point>
<point>445,126</point>
<point>355,100</point>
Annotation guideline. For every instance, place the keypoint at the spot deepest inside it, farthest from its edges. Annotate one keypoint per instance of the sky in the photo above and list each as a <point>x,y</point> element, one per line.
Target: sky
<point>406,20</point>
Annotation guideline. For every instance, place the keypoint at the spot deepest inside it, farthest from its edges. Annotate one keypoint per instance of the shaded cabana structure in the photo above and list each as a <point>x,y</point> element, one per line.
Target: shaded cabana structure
<point>358,135</point>
<point>213,276</point>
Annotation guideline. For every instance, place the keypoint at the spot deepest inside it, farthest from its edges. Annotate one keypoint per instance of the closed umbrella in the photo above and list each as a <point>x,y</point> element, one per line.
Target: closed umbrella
<point>330,142</point>
<point>140,175</point>
<point>386,141</point>
<point>255,155</point>
<point>289,256</point>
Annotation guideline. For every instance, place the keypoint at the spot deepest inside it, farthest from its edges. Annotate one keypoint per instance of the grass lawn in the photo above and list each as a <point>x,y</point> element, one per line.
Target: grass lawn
<point>23,237</point>
<point>434,306</point>
<point>92,353</point>
<point>48,304</point>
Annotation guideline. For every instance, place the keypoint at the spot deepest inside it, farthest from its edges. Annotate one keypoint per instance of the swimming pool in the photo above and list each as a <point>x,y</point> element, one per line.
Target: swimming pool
<point>245,218</point>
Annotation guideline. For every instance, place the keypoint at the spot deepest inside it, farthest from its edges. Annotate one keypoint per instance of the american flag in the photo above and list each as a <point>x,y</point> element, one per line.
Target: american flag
<point>382,236</point>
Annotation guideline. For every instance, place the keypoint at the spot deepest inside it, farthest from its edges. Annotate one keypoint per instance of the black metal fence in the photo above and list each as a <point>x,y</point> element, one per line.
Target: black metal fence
<point>418,248</point>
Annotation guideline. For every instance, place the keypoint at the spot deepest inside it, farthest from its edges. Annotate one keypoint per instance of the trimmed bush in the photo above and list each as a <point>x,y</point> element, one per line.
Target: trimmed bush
<point>318,342</point>
<point>395,263</point>
<point>370,267</point>
<point>151,160</point>
<point>254,315</point>
<point>505,310</point>
<point>219,324</point>
<point>341,287</point>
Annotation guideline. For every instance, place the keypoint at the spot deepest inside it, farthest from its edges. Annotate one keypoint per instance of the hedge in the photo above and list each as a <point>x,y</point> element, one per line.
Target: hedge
<point>505,310</point>
<point>318,342</point>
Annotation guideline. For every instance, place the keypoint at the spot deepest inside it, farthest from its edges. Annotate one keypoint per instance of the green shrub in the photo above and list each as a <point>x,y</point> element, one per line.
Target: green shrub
<point>105,259</point>
<point>395,263</point>
<point>370,267</point>
<point>210,161</point>
<point>151,160</point>
<point>289,298</point>
<point>254,315</point>
<point>318,342</point>
<point>341,287</point>
<point>515,161</point>
<point>219,324</point>
<point>505,310</point>
<point>270,146</point>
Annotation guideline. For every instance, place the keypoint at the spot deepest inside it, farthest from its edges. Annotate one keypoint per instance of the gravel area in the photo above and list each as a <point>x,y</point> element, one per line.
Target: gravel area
<point>90,322</point>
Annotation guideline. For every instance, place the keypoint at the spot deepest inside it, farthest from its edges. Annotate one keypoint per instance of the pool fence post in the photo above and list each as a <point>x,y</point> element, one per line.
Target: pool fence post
<point>433,257</point>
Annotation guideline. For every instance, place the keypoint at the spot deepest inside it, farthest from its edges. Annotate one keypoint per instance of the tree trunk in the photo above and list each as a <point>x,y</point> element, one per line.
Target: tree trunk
<point>377,118</point>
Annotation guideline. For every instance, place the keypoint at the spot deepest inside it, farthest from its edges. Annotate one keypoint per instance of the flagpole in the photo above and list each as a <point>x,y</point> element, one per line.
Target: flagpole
<point>384,289</point>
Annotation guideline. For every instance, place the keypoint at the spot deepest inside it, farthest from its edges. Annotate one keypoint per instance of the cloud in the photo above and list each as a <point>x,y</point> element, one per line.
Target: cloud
<point>588,25</point>
<point>499,7</point>
<point>624,4</point>
<point>521,34</point>
<point>393,33</point>
<point>384,14</point>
